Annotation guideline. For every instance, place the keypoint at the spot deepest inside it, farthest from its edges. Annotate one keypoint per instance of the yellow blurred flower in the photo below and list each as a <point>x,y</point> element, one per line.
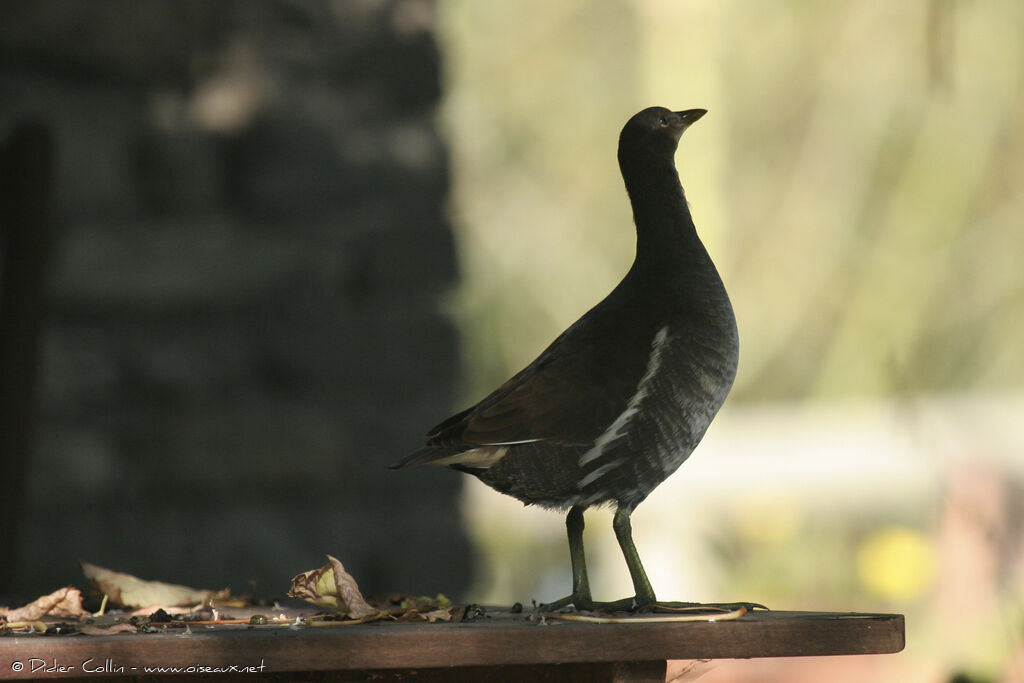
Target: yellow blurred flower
<point>897,563</point>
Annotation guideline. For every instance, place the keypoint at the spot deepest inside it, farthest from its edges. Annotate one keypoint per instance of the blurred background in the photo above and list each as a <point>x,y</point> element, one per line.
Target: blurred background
<point>289,237</point>
<point>243,243</point>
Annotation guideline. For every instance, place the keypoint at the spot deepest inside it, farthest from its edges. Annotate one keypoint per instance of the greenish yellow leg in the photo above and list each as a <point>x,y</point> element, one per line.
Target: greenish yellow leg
<point>580,597</point>
<point>624,533</point>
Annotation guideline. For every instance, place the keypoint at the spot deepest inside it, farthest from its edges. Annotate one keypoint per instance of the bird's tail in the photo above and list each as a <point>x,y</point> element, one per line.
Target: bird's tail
<point>457,457</point>
<point>420,457</point>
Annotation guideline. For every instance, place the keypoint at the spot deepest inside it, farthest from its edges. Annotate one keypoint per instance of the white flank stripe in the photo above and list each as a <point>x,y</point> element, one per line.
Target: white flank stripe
<point>599,472</point>
<point>617,428</point>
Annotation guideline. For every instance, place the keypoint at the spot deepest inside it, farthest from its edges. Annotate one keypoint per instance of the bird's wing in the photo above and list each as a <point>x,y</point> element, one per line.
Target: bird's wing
<point>567,396</point>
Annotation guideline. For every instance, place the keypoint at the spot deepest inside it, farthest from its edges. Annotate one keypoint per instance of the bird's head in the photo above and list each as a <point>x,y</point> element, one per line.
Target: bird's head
<point>655,132</point>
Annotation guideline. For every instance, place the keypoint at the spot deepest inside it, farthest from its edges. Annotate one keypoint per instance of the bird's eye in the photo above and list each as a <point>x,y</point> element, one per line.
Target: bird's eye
<point>663,120</point>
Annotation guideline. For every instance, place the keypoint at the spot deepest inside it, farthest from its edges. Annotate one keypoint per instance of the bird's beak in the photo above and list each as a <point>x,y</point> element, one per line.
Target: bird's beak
<point>689,116</point>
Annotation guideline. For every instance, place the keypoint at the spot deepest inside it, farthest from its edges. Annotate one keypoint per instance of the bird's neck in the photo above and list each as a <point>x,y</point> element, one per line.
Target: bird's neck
<point>664,228</point>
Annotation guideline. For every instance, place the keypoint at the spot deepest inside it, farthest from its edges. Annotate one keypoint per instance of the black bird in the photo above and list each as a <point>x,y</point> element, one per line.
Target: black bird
<point>620,399</point>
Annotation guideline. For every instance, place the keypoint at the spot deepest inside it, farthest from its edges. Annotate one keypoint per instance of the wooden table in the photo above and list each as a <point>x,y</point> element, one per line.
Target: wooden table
<point>498,647</point>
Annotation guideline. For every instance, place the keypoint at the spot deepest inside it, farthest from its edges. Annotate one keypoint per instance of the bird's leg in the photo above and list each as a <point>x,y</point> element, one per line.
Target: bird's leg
<point>624,534</point>
<point>581,588</point>
<point>580,597</point>
<point>577,556</point>
<point>641,584</point>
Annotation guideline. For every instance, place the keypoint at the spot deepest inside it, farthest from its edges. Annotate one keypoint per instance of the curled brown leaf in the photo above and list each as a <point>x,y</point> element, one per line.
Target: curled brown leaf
<point>64,602</point>
<point>333,588</point>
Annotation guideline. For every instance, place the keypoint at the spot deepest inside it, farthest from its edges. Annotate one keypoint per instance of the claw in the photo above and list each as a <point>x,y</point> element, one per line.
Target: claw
<point>702,606</point>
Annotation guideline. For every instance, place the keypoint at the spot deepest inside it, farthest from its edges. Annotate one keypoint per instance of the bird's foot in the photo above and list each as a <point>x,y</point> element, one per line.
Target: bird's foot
<point>585,604</point>
<point>578,602</point>
<point>701,606</point>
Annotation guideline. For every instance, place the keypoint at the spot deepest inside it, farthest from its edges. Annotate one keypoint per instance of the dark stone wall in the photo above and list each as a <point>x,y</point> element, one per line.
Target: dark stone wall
<point>243,328</point>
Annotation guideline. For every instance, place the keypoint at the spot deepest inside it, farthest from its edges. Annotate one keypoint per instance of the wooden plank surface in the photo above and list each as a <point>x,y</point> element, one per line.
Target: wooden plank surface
<point>502,639</point>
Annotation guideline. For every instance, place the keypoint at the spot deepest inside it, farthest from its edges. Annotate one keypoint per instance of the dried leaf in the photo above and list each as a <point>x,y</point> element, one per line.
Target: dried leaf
<point>423,602</point>
<point>65,602</point>
<point>333,588</point>
<point>130,591</point>
<point>25,626</point>
<point>437,615</point>
<point>94,630</point>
